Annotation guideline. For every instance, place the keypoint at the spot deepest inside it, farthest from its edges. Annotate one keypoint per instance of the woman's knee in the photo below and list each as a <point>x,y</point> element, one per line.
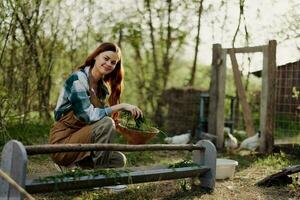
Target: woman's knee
<point>103,131</point>
<point>109,122</point>
<point>105,123</point>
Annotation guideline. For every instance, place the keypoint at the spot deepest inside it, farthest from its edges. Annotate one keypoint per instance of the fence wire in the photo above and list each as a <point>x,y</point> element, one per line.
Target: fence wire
<point>287,109</point>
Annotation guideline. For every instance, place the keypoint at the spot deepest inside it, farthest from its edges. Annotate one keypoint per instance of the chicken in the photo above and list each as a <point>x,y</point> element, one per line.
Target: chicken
<point>251,143</point>
<point>230,142</point>
<point>178,139</point>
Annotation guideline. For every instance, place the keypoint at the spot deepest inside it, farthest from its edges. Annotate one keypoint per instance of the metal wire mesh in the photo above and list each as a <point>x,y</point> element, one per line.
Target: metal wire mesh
<point>187,110</point>
<point>287,110</point>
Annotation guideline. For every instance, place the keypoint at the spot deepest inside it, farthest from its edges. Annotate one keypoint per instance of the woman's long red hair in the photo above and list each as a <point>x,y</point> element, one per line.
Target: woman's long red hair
<point>115,78</point>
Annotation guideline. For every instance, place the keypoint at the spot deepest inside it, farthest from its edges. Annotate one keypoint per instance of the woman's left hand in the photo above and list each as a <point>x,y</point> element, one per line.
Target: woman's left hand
<point>134,110</point>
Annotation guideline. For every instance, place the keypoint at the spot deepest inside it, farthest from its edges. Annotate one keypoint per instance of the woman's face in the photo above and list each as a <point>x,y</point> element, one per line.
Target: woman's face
<point>106,62</point>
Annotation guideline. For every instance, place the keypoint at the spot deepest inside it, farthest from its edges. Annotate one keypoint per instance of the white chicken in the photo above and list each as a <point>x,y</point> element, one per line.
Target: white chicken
<point>230,141</point>
<point>251,143</point>
<point>178,139</point>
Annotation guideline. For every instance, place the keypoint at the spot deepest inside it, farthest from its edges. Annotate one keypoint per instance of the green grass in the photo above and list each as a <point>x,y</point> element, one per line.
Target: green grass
<point>273,161</point>
<point>139,158</point>
<point>27,133</point>
<point>248,165</point>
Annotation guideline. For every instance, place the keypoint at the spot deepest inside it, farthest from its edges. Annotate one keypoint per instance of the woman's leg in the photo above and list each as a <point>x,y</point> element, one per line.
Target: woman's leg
<point>103,132</point>
<point>82,136</point>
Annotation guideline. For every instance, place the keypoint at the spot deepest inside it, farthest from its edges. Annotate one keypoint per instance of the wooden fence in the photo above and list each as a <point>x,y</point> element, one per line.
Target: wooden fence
<point>15,155</point>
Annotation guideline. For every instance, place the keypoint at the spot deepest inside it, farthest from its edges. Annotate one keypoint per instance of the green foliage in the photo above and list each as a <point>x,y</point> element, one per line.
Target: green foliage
<point>139,158</point>
<point>240,135</point>
<point>77,173</point>
<point>295,93</point>
<point>141,123</point>
<point>184,163</point>
<point>275,161</point>
<point>271,162</point>
<point>28,133</point>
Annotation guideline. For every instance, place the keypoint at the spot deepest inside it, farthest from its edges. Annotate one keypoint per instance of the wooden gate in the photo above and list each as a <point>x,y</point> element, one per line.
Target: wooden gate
<point>217,93</point>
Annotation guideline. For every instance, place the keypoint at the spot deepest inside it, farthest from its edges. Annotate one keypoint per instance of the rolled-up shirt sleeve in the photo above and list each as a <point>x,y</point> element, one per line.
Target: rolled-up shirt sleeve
<point>82,106</point>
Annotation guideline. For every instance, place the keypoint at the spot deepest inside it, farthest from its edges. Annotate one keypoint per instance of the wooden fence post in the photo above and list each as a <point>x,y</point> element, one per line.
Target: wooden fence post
<point>207,158</point>
<point>13,163</point>
<point>217,94</point>
<point>268,98</point>
<point>242,94</point>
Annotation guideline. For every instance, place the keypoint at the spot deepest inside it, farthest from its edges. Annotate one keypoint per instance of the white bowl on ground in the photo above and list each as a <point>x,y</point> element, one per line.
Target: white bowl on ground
<point>225,168</point>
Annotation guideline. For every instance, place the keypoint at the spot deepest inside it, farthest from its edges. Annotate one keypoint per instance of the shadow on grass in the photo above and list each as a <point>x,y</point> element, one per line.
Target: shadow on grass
<point>182,194</point>
<point>143,192</point>
<point>167,190</point>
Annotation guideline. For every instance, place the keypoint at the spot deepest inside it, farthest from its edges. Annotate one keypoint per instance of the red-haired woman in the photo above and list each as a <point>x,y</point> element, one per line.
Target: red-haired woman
<point>82,114</point>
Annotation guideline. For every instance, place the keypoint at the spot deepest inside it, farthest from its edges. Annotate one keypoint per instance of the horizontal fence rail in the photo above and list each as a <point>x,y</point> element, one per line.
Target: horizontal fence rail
<point>56,148</point>
<point>253,49</point>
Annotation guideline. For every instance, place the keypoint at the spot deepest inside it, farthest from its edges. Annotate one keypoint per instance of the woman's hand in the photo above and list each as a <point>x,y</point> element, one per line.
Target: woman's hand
<point>134,110</point>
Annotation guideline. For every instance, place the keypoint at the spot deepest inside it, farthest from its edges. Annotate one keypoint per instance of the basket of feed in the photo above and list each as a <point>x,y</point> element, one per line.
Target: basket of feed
<point>136,131</point>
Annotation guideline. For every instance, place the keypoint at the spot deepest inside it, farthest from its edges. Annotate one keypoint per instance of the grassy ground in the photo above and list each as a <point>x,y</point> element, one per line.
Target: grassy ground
<point>252,168</point>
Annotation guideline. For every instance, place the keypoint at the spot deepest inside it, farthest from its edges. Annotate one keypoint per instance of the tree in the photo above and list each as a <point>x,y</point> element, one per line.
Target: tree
<point>193,71</point>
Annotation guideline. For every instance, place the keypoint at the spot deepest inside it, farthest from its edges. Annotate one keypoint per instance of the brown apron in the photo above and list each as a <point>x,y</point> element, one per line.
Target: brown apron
<point>69,129</point>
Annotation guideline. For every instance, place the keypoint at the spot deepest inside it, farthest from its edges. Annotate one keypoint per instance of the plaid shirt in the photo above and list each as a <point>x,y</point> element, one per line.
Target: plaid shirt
<point>74,96</point>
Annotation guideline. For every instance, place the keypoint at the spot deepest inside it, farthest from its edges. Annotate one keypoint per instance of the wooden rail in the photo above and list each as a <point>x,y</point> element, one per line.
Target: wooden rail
<point>55,148</point>
<point>253,49</point>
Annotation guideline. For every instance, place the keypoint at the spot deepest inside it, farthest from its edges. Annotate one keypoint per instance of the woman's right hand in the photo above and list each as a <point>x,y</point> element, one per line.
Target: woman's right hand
<point>134,110</point>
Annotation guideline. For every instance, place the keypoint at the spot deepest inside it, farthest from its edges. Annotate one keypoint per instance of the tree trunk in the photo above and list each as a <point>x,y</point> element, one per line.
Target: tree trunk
<point>193,71</point>
<point>156,76</point>
<point>159,120</point>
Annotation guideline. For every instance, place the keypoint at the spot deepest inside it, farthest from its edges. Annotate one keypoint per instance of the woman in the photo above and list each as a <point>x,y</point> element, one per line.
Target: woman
<point>82,115</point>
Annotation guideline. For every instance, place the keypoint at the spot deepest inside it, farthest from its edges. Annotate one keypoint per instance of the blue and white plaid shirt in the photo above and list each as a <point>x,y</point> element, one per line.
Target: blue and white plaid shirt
<point>74,96</point>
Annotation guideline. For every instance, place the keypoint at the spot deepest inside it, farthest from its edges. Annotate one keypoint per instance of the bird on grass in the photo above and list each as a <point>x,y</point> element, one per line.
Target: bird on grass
<point>230,142</point>
<point>251,143</point>
<point>178,139</point>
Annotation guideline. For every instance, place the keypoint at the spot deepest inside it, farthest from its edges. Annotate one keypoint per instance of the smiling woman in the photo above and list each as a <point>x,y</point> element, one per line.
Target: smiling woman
<point>83,112</point>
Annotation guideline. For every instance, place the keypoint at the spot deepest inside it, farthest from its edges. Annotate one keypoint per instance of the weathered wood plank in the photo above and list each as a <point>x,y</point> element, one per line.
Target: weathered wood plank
<point>221,101</point>
<point>242,95</point>
<point>217,94</point>
<point>13,163</point>
<point>207,158</point>
<point>55,148</point>
<point>268,98</point>
<point>263,100</point>
<point>212,114</point>
<point>35,186</point>
<point>253,49</point>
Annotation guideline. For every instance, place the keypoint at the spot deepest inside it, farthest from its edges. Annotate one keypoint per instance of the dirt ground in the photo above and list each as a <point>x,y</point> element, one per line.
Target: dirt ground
<point>241,186</point>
